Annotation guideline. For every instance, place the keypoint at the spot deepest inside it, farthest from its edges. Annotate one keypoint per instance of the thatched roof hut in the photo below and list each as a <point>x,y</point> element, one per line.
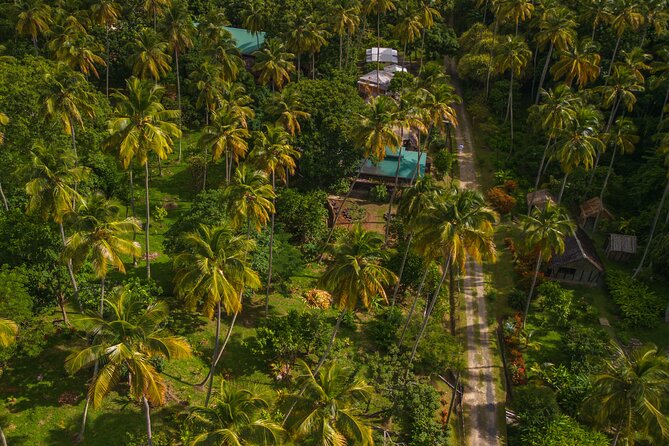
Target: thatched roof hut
<point>591,210</point>
<point>579,264</point>
<point>621,247</point>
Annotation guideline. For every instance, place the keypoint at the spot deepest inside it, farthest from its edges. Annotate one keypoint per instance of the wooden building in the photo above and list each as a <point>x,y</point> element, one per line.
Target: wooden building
<point>621,247</point>
<point>539,198</point>
<point>579,264</point>
<point>589,212</point>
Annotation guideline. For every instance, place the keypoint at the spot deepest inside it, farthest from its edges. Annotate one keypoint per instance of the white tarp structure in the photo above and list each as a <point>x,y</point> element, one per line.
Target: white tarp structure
<point>383,55</point>
<point>369,80</point>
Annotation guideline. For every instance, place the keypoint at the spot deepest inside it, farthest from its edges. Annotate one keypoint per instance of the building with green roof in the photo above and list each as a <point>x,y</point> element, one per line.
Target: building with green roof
<point>385,169</point>
<point>247,42</point>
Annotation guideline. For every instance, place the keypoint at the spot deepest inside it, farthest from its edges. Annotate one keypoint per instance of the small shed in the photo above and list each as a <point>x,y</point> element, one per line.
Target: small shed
<point>579,264</point>
<point>621,247</point>
<point>375,82</point>
<point>383,55</point>
<point>539,198</point>
<point>591,210</point>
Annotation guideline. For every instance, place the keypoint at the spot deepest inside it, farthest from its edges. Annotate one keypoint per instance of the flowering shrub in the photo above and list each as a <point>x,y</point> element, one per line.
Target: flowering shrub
<point>318,299</point>
<point>501,200</point>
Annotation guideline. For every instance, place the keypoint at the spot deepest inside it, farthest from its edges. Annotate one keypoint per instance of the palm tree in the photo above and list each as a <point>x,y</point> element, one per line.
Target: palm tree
<point>427,15</point>
<point>238,416</point>
<point>213,270</point>
<point>328,410</point>
<point>557,30</point>
<point>106,13</point>
<point>225,134</point>
<point>69,101</point>
<point>288,109</point>
<point>656,16</point>
<point>126,342</point>
<point>314,39</point>
<point>211,29</point>
<point>208,80</point>
<point>622,137</point>
<point>345,20</point>
<point>556,111</point>
<point>150,58</point>
<point>513,55</point>
<point>518,10</point>
<point>273,63</point>
<point>34,20</point>
<point>580,63</point>
<point>249,199</point>
<point>545,231</point>
<point>378,7</point>
<point>73,46</point>
<point>51,191</point>
<point>408,28</point>
<point>460,226</point>
<point>103,242</point>
<point>8,332</point>
<point>374,132</point>
<point>627,14</point>
<point>578,143</point>
<point>630,393</point>
<point>597,11</point>
<point>141,126</point>
<point>156,8</point>
<point>180,30</point>
<point>274,154</point>
<point>4,120</point>
<point>254,19</point>
<point>637,61</point>
<point>226,56</point>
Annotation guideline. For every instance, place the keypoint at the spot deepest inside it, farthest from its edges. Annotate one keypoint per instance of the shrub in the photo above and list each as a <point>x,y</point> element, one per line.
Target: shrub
<point>535,405</point>
<point>442,161</point>
<point>384,327</point>
<point>556,302</point>
<point>639,306</point>
<point>571,387</point>
<point>563,431</point>
<point>304,216</point>
<point>585,346</point>
<point>500,200</point>
<point>379,193</point>
<point>517,299</point>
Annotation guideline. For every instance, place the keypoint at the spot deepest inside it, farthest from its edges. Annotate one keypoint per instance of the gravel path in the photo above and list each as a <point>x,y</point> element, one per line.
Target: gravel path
<point>481,399</point>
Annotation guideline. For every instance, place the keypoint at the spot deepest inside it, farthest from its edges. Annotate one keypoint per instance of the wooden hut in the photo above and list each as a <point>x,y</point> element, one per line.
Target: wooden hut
<point>621,247</point>
<point>579,264</point>
<point>539,198</point>
<point>590,210</point>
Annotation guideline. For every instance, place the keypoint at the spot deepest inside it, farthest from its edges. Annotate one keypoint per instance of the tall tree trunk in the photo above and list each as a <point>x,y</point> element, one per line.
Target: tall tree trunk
<point>541,166</point>
<point>35,45</point>
<point>395,187</point>
<point>594,29</point>
<point>160,166</point>
<point>60,299</point>
<point>176,60</point>
<point>148,218</point>
<point>299,65</point>
<point>343,203</point>
<point>606,182</point>
<point>313,66</point>
<point>134,213</point>
<point>511,110</point>
<point>534,282</point>
<point>206,162</point>
<point>107,61</point>
<point>446,267</point>
<point>422,51</point>
<point>4,199</point>
<point>70,270</point>
<point>451,300</point>
<point>271,246</point>
<point>564,183</point>
<point>147,418</point>
<point>652,230</point>
<point>214,353</point>
<point>543,73</point>
<point>401,271</point>
<point>413,305</point>
<point>492,52</point>
<point>84,418</point>
<point>664,105</point>
<point>102,296</point>
<point>3,440</point>
<point>613,57</point>
<point>416,173</point>
<point>348,47</point>
<point>609,124</point>
<point>378,49</point>
<point>341,48</point>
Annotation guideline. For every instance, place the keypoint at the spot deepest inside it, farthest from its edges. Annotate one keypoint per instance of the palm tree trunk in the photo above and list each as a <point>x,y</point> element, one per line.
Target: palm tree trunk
<point>84,417</point>
<point>534,282</point>
<point>313,66</point>
<point>107,61</point>
<point>594,29</point>
<point>401,271</point>
<point>652,230</point>
<point>102,296</point>
<point>378,49</point>
<point>606,182</point>
<point>564,183</point>
<point>60,299</point>
<point>613,57</point>
<point>176,60</point>
<point>35,45</point>
<point>422,51</point>
<point>395,187</point>
<point>413,305</point>
<point>212,372</point>
<point>147,418</point>
<point>299,64</point>
<point>664,104</point>
<point>70,270</point>
<point>204,174</point>
<point>3,440</point>
<point>492,51</point>
<point>4,199</point>
<point>511,109</point>
<point>543,73</point>
<point>451,300</point>
<point>160,166</point>
<point>148,217</point>
<point>271,246</point>
<point>348,47</point>
<point>541,166</point>
<point>428,313</point>
<point>334,222</point>
<point>134,213</point>
<point>341,48</point>
<point>416,172</point>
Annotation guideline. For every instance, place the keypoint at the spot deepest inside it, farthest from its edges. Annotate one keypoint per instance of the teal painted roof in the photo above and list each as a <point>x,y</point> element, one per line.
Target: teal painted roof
<point>247,42</point>
<point>388,166</point>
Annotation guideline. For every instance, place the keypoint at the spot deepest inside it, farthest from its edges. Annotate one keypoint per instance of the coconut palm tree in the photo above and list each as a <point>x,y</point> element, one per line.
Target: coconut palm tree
<point>106,13</point>
<point>556,111</point>
<point>275,155</point>
<point>150,58</point>
<point>8,332</point>
<point>4,120</point>
<point>460,226</point>
<point>517,10</point>
<point>208,79</point>
<point>254,17</point>
<point>597,12</point>
<point>226,55</point>
<point>249,199</point>
<point>212,270</point>
<point>374,133</point>
<point>69,101</point>
<point>637,61</point>
<point>211,29</point>
<point>315,38</point>
<point>156,8</point>
<point>237,416</point>
<point>329,409</point>
<point>34,20</point>
<point>141,126</point>
<point>660,77</point>
<point>180,31</point>
<point>545,231</point>
<point>126,342</point>
<point>656,17</point>
<point>408,28</point>
<point>578,144</point>
<point>73,46</point>
<point>557,29</point>
<point>273,64</point>
<point>512,55</point>
<point>630,395</point>
<point>427,15</point>
<point>225,134</point>
<point>378,7</point>
<point>626,15</point>
<point>51,191</point>
<point>580,62</point>
<point>345,20</point>
<point>287,109</point>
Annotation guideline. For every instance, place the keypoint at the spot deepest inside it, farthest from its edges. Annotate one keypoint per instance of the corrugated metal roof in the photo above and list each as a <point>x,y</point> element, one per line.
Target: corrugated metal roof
<point>247,42</point>
<point>578,247</point>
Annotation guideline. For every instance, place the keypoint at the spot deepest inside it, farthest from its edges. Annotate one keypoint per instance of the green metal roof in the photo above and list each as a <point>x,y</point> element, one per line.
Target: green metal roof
<point>388,166</point>
<point>247,42</point>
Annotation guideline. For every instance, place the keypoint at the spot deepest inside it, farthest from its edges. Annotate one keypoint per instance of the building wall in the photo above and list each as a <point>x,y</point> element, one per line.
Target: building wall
<point>581,272</point>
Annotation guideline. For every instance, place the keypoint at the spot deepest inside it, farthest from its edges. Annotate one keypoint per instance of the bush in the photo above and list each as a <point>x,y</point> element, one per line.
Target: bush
<point>304,216</point>
<point>500,200</point>
<point>535,405</point>
<point>442,161</point>
<point>379,193</point>
<point>517,299</point>
<point>639,306</point>
<point>571,387</point>
<point>585,346</point>
<point>417,407</point>
<point>383,329</point>
<point>563,431</point>
<point>556,302</point>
